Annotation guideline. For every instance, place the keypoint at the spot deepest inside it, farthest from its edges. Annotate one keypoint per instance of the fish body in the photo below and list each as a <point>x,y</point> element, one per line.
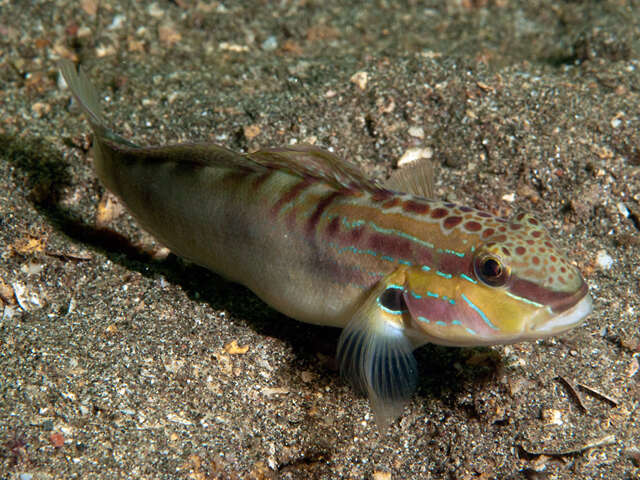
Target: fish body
<point>318,241</point>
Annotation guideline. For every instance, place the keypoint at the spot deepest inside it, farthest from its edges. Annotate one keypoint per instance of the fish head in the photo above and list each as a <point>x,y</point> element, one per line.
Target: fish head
<point>512,286</point>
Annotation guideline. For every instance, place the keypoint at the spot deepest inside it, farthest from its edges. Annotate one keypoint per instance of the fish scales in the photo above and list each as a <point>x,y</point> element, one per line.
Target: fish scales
<point>314,238</point>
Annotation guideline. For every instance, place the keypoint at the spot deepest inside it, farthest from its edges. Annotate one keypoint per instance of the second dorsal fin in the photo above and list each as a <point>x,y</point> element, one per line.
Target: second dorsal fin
<point>308,160</point>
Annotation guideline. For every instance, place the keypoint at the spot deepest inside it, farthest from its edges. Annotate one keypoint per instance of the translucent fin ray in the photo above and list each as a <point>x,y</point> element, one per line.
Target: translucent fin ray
<point>307,160</point>
<point>88,99</point>
<point>416,179</point>
<point>376,356</point>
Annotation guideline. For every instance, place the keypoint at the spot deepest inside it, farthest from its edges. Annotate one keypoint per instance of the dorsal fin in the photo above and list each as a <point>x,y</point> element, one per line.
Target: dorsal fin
<point>311,161</point>
<point>302,160</point>
<point>416,179</point>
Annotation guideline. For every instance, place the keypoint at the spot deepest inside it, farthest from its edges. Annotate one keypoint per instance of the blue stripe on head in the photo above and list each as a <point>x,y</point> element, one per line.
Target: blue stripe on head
<point>479,312</point>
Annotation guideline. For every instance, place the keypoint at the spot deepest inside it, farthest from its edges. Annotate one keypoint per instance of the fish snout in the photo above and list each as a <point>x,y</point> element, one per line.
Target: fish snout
<point>566,316</point>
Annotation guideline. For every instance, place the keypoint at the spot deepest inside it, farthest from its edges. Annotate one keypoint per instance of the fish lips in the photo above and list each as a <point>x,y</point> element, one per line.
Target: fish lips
<point>565,319</point>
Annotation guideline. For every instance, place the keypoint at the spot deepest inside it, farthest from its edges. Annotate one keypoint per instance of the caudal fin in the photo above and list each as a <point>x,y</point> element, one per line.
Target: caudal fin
<point>84,93</point>
<point>87,97</point>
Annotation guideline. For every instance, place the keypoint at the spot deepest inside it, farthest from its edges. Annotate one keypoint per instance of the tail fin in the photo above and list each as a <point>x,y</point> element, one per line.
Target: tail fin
<point>87,97</point>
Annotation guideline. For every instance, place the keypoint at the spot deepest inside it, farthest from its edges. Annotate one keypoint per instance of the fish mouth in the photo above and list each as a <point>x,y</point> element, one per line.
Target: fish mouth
<point>567,319</point>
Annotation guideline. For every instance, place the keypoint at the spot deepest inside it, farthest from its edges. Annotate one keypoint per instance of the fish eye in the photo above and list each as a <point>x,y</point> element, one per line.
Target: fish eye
<point>491,271</point>
<point>392,300</point>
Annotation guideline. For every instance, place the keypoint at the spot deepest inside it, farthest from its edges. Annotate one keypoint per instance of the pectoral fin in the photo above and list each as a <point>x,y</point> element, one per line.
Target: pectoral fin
<point>376,356</point>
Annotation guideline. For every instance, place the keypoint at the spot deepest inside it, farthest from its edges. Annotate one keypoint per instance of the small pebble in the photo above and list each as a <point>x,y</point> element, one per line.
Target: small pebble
<point>232,348</point>
<point>604,260</point>
<point>172,417</point>
<point>117,22</point>
<point>360,79</point>
<point>633,367</point>
<point>251,131</point>
<point>622,208</point>
<point>269,391</point>
<point>31,268</point>
<point>155,11</point>
<point>233,47</point>
<point>551,416</point>
<point>271,43</point>
<point>417,132</point>
<point>40,109</point>
<point>26,300</point>
<point>616,121</point>
<point>57,439</point>
<point>413,155</point>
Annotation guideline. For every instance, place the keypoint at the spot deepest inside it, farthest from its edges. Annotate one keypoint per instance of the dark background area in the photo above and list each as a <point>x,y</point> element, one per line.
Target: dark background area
<point>118,360</point>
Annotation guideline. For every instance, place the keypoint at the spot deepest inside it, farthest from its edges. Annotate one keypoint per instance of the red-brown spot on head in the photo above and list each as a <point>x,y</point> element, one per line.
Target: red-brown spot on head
<point>502,229</point>
<point>484,214</point>
<point>473,226</point>
<point>533,221</point>
<point>451,222</point>
<point>548,244</point>
<point>488,232</point>
<point>439,213</point>
<point>553,258</point>
<point>530,242</point>
<point>515,226</point>
<point>536,234</point>
<point>563,270</point>
<point>506,251</point>
<point>466,209</point>
<point>520,216</point>
<point>542,249</point>
<point>535,261</point>
<point>411,206</point>
<point>520,250</point>
<point>552,269</point>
